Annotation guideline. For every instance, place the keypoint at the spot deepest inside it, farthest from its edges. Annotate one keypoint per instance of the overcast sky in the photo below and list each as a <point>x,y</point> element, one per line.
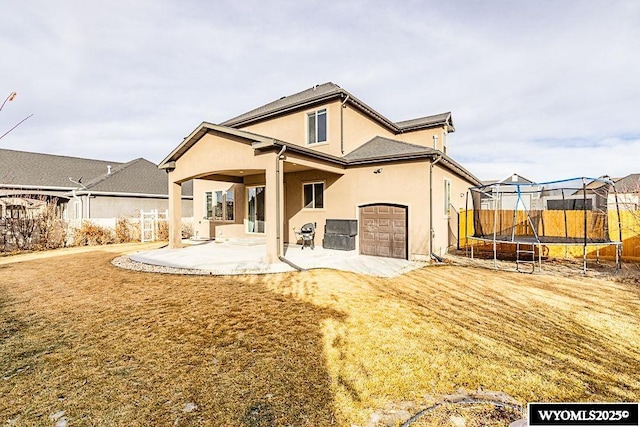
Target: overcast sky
<point>548,89</point>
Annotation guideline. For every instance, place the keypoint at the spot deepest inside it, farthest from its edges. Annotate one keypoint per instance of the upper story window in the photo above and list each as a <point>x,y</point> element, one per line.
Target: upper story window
<point>317,126</point>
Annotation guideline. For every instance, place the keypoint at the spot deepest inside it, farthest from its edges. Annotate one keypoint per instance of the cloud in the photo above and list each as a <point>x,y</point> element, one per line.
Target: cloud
<point>537,88</point>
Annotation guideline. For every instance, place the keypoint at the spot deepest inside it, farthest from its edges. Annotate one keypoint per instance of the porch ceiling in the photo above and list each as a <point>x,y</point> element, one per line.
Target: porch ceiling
<point>295,167</point>
<point>231,175</point>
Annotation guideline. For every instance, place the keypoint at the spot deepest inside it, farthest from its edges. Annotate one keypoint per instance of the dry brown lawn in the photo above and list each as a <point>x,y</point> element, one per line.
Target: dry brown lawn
<point>116,347</point>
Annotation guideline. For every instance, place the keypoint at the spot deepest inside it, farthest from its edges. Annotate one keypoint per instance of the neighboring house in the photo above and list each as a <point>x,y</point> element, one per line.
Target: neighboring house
<point>316,155</point>
<point>82,188</point>
<point>515,193</point>
<point>628,192</point>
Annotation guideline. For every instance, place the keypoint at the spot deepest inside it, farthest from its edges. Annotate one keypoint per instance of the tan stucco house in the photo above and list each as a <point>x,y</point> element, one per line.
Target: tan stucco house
<point>316,155</point>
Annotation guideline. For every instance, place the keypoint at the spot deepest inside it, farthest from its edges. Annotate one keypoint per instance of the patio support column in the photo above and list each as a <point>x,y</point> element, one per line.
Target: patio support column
<point>175,214</point>
<point>272,204</point>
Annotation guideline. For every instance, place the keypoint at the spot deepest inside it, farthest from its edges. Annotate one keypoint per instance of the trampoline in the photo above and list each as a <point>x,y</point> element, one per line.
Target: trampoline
<point>532,216</point>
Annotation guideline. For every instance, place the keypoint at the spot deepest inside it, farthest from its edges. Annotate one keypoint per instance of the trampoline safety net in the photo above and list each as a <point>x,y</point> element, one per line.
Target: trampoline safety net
<point>573,211</point>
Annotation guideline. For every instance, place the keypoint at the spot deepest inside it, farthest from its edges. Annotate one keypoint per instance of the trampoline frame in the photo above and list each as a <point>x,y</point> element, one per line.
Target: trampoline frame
<point>539,241</point>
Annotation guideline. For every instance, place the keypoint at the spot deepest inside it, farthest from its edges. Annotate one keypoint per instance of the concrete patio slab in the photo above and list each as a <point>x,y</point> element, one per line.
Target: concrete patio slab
<point>245,257</point>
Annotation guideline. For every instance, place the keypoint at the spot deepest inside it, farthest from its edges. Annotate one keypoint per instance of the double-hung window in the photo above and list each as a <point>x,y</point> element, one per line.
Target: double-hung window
<point>317,127</point>
<point>313,194</point>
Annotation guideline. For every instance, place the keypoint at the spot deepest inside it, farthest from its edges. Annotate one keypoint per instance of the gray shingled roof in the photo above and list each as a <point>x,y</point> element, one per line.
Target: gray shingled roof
<point>327,91</point>
<point>435,120</point>
<point>286,102</point>
<point>380,147</point>
<point>46,171</point>
<point>138,176</point>
<point>36,169</point>
<point>628,184</point>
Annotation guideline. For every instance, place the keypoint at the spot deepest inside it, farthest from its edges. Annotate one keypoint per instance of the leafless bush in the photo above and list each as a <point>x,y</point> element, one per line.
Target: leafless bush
<point>127,230</point>
<point>163,230</point>
<point>90,234</point>
<point>52,232</point>
<point>21,232</point>
<point>187,231</point>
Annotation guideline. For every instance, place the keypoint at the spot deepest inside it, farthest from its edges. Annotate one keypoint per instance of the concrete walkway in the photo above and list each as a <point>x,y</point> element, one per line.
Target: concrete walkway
<point>247,257</point>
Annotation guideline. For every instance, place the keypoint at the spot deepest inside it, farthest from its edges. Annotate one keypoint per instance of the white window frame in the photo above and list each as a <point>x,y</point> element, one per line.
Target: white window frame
<point>229,210</point>
<point>247,191</point>
<point>315,114</point>
<point>313,190</point>
<point>447,197</point>
<point>214,201</point>
<point>218,205</point>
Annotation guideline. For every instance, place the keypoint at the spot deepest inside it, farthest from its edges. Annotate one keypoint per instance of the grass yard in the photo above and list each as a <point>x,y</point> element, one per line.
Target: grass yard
<point>115,347</point>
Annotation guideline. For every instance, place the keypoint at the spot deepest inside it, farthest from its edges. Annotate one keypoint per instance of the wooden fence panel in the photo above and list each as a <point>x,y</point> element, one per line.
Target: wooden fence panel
<point>552,223</point>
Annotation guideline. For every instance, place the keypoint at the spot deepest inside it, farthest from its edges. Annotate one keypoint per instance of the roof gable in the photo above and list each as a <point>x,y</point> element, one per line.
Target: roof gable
<point>327,92</point>
<point>138,176</point>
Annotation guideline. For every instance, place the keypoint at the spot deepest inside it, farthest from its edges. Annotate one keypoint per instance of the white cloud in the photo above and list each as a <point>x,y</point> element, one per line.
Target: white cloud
<point>546,89</point>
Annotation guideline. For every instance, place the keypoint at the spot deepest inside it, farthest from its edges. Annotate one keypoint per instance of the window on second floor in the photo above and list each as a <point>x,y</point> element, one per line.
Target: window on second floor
<point>317,126</point>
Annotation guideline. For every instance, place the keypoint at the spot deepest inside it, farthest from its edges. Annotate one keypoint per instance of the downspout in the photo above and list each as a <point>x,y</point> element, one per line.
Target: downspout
<point>278,214</point>
<point>431,230</point>
<point>78,200</point>
<point>342,107</point>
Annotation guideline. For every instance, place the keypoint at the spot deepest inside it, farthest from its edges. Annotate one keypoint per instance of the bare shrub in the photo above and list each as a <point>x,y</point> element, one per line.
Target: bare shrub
<point>90,234</point>
<point>187,231</point>
<point>163,230</point>
<point>21,232</point>
<point>127,230</point>
<point>52,232</point>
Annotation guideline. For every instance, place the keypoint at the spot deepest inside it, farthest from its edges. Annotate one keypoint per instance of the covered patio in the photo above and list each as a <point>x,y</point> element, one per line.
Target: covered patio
<point>248,256</point>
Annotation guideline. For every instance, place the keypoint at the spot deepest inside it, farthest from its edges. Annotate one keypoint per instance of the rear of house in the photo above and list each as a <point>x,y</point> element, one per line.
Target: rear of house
<point>318,155</point>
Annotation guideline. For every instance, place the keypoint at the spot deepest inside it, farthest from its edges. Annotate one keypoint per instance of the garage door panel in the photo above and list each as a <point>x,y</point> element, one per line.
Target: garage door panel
<point>383,237</point>
<point>383,231</point>
<point>383,251</point>
<point>369,222</point>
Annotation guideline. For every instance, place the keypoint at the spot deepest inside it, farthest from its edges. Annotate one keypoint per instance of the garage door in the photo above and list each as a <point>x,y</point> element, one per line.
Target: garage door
<point>383,231</point>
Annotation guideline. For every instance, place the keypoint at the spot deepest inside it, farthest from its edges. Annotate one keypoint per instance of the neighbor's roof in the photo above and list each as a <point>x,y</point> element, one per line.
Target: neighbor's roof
<point>330,91</point>
<point>21,169</point>
<point>47,170</point>
<point>138,176</point>
<point>628,184</point>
